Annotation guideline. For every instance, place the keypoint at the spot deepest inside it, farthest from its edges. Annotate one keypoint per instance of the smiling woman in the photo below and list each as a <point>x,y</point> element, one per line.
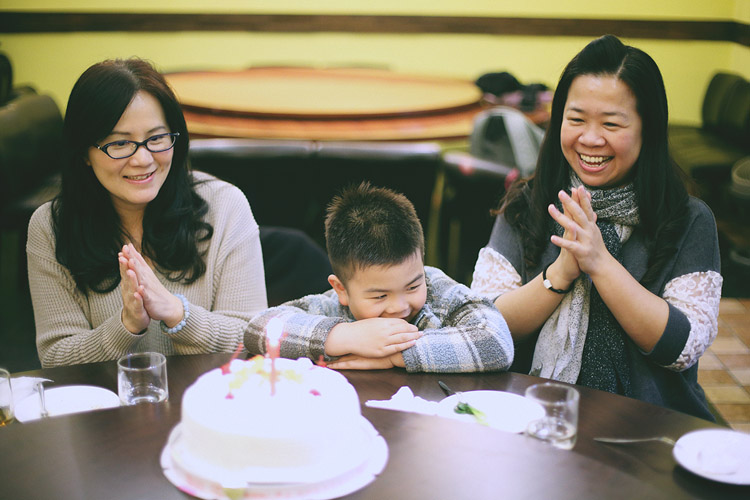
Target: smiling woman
<point>137,253</point>
<point>600,134</point>
<point>606,271</point>
<point>133,175</point>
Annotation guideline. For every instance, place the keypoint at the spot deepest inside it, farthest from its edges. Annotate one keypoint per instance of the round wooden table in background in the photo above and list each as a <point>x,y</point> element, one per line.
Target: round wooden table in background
<point>327,104</point>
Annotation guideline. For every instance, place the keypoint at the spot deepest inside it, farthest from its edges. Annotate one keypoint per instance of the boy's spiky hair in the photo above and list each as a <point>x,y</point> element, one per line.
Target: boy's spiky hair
<point>371,226</point>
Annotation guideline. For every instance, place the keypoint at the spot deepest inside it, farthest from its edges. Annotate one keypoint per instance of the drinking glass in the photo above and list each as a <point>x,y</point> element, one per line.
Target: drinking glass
<point>559,425</point>
<point>6,399</point>
<point>142,378</point>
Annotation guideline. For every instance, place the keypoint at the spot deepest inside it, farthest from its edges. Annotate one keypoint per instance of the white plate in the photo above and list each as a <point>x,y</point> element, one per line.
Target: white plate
<point>718,454</point>
<point>504,410</point>
<point>66,399</point>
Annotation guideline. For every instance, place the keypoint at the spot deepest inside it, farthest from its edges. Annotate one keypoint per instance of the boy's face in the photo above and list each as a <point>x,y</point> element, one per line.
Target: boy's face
<point>392,291</point>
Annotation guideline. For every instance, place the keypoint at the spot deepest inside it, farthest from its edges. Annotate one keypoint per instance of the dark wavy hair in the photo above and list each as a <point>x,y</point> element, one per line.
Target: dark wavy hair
<point>370,226</point>
<point>660,192</point>
<point>88,230</point>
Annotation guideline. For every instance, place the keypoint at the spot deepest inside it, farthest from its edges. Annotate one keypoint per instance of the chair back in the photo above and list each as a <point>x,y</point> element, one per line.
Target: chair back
<point>715,101</point>
<point>30,140</point>
<point>6,78</point>
<point>290,183</point>
<point>734,123</point>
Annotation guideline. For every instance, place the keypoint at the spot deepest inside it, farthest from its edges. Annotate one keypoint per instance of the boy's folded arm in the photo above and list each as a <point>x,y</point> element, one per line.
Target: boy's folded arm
<point>306,325</point>
<point>354,362</point>
<point>473,337</point>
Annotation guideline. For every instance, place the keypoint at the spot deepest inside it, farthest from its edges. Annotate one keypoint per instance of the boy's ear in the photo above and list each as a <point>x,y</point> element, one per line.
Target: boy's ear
<point>340,289</point>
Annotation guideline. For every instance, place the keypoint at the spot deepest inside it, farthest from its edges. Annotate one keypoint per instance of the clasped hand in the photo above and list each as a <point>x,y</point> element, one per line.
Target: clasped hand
<point>582,248</point>
<point>374,343</point>
<point>143,296</point>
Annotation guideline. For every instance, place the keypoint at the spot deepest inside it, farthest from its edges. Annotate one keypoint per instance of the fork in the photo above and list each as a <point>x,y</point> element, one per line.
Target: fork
<point>663,439</point>
<point>43,413</point>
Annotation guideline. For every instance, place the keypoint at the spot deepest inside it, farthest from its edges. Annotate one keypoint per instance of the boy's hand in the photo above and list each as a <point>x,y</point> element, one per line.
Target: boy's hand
<point>354,362</point>
<point>371,338</point>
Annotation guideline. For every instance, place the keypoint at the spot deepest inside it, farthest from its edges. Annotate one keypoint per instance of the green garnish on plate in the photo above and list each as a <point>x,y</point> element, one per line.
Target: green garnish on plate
<point>467,409</point>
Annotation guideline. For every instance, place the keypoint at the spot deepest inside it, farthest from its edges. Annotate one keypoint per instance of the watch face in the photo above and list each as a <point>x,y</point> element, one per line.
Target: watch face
<point>548,284</point>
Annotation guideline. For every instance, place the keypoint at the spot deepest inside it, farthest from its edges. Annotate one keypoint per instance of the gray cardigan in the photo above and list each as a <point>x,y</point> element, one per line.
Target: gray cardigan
<point>698,251</point>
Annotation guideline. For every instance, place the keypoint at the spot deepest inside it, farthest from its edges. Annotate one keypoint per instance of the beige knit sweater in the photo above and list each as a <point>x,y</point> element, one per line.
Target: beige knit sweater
<point>74,328</point>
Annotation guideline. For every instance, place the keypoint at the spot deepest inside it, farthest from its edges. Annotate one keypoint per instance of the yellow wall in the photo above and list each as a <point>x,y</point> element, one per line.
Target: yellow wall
<point>52,62</point>
<point>616,9</point>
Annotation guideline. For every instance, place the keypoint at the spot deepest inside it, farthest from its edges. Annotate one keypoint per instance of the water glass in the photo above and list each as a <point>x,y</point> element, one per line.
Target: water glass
<point>142,378</point>
<point>6,399</point>
<point>559,425</point>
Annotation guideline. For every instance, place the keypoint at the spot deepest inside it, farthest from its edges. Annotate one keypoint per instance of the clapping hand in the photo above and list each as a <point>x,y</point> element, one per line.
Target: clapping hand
<point>566,264</point>
<point>134,315</point>
<point>143,295</point>
<point>579,220</point>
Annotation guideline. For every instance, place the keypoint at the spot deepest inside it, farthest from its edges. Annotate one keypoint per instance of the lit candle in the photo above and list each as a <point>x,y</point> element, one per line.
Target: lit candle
<point>225,367</point>
<point>273,347</point>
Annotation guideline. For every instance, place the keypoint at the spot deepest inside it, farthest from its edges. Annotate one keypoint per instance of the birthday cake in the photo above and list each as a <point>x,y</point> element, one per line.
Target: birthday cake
<point>249,422</point>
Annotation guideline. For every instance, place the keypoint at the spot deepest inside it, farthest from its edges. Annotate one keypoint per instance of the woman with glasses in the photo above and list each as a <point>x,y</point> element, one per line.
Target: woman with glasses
<point>138,253</point>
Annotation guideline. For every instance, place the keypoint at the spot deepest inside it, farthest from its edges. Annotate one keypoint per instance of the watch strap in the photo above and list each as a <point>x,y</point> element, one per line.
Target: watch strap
<point>548,284</point>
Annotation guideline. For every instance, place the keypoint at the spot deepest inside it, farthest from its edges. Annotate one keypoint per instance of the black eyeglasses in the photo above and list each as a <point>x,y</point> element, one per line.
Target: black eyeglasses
<point>118,150</point>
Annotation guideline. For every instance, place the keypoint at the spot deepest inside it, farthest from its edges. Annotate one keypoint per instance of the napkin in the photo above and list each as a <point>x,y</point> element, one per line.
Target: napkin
<point>24,387</point>
<point>405,400</point>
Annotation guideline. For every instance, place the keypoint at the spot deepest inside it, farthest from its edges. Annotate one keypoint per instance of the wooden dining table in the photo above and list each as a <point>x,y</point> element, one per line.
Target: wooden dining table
<point>330,104</point>
<point>114,454</point>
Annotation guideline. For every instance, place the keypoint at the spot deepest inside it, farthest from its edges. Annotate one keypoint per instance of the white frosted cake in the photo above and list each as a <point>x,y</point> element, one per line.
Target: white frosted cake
<point>234,430</point>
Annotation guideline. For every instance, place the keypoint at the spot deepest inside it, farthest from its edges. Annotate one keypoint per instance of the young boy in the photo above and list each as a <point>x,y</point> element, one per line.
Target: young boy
<point>386,308</point>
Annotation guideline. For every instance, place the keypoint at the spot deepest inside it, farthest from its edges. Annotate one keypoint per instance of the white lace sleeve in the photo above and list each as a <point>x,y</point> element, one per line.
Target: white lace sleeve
<point>697,295</point>
<point>494,275</point>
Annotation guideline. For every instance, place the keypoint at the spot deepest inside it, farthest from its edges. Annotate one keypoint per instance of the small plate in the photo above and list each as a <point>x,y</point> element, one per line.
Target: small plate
<point>718,454</point>
<point>504,410</point>
<point>66,399</point>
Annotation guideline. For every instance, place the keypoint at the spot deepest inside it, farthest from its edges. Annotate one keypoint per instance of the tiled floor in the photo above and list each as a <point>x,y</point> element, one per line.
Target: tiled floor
<point>724,370</point>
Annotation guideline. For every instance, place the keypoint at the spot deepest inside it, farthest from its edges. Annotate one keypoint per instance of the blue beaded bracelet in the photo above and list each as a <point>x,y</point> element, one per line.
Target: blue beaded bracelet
<point>176,328</point>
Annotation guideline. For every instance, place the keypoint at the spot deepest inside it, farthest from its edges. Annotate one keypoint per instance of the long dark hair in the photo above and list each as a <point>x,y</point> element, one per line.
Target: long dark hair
<point>660,192</point>
<point>88,230</point>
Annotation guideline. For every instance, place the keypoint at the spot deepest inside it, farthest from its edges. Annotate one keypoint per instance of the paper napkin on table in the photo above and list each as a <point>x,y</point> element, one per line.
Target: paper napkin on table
<point>405,400</point>
<point>24,386</point>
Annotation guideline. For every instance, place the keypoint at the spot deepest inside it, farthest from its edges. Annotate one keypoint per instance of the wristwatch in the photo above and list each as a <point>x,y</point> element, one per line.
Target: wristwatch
<point>548,284</point>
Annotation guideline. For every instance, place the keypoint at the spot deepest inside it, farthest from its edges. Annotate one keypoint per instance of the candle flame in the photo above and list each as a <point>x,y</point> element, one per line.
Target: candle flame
<point>273,331</point>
